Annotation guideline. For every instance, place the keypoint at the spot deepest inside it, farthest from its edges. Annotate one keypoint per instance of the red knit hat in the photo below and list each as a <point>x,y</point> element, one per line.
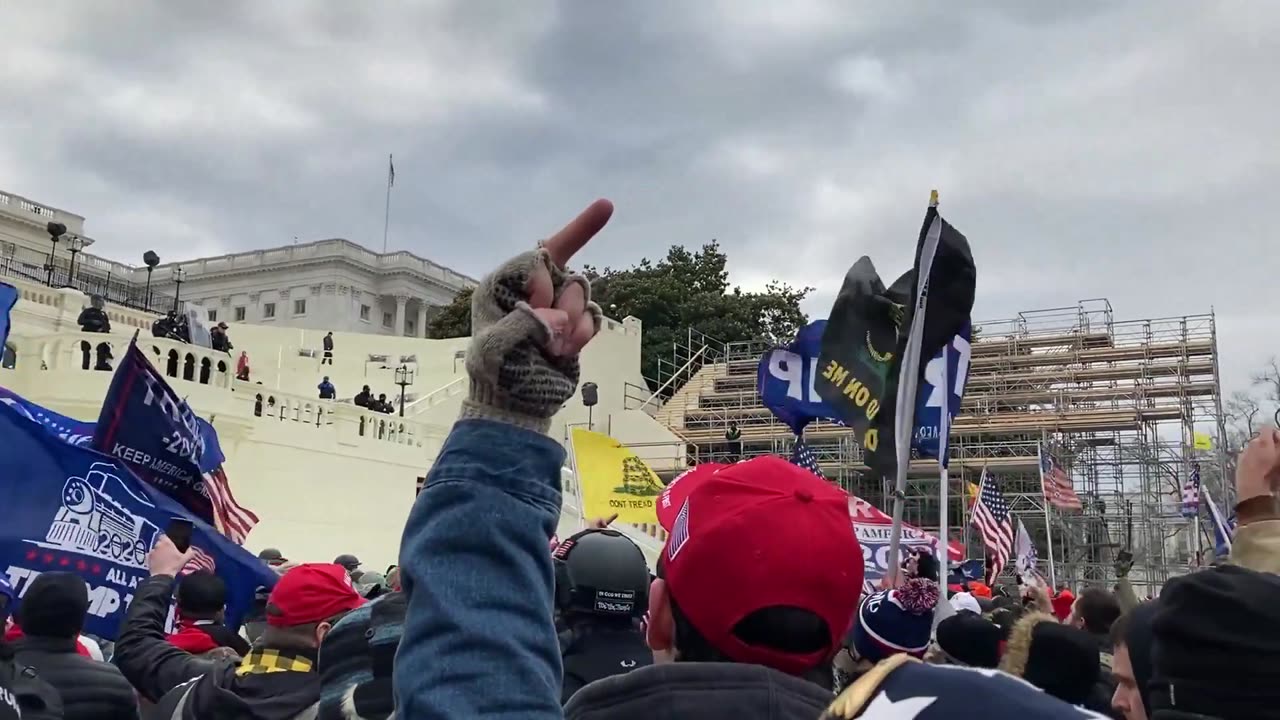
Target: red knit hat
<point>311,593</point>
<point>759,534</point>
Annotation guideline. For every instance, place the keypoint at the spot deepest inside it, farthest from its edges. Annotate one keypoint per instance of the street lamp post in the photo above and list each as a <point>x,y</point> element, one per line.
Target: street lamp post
<point>179,275</point>
<point>75,244</point>
<point>404,378</point>
<point>56,230</point>
<point>590,398</point>
<point>151,260</point>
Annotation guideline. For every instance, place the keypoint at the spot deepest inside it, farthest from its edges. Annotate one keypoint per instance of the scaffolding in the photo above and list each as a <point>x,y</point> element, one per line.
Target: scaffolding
<point>1117,402</point>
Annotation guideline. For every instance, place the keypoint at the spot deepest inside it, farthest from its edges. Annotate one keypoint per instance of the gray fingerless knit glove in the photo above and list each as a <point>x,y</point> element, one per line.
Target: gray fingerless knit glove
<point>513,379</point>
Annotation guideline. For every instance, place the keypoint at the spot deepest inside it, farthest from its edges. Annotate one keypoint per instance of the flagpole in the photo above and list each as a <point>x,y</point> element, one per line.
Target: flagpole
<point>1048,526</point>
<point>944,482</point>
<point>386,216</point>
<point>908,379</point>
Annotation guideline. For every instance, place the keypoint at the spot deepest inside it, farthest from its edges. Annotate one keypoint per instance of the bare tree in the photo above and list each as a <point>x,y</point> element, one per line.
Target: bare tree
<point>1269,380</point>
<point>1241,411</point>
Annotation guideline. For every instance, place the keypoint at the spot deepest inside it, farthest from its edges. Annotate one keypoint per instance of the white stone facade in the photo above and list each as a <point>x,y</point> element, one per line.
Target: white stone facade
<point>326,285</point>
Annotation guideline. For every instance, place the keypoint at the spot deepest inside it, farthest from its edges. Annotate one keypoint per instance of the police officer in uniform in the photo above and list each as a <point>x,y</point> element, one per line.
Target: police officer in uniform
<point>602,592</point>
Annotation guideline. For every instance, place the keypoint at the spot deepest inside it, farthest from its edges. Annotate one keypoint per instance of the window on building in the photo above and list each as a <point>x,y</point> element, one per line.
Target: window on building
<point>268,310</point>
<point>213,316</point>
<point>239,314</point>
<point>386,319</point>
<point>299,307</point>
<point>364,313</point>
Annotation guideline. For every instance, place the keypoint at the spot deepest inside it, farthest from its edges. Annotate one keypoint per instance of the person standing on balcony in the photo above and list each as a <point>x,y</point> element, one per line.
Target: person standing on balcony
<point>93,318</point>
<point>218,338</point>
<point>363,398</point>
<point>327,390</point>
<point>328,349</point>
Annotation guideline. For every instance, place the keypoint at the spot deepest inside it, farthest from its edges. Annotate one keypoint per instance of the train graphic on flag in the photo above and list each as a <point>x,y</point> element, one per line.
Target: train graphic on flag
<point>95,519</point>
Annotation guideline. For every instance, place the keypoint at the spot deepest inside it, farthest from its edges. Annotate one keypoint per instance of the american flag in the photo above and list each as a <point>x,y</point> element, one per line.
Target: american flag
<point>201,561</point>
<point>1058,490</point>
<point>231,518</point>
<point>802,455</point>
<point>1191,493</point>
<point>991,518</point>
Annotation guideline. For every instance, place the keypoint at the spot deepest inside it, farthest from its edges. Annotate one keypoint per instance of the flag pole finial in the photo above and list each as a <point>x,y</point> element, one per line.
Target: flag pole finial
<point>933,198</point>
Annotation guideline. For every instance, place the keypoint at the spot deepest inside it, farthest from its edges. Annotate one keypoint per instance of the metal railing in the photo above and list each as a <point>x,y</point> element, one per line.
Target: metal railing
<point>113,289</point>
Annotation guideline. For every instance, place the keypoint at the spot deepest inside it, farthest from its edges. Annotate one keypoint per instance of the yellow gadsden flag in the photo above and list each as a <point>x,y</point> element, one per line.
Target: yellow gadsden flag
<point>1202,441</point>
<point>613,479</point>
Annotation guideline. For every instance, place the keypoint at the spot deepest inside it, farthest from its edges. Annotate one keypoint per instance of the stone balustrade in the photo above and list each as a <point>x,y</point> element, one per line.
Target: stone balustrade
<point>42,359</point>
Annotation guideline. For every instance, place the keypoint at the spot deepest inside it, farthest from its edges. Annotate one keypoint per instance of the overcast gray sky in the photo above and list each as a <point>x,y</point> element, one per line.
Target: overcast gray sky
<point>1088,149</point>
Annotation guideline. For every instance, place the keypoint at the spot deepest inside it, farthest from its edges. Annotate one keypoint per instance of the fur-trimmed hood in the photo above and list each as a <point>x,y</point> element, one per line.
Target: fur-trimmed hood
<point>1059,659</point>
<point>1018,647</point>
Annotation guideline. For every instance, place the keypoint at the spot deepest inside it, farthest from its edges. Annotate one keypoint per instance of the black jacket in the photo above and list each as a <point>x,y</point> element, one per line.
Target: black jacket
<point>590,654</point>
<point>94,320</point>
<point>37,699</point>
<point>328,343</point>
<point>707,691</point>
<point>173,678</point>
<point>90,690</point>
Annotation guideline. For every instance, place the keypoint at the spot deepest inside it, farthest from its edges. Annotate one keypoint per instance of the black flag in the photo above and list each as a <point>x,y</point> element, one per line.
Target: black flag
<point>869,328</point>
<point>860,349</point>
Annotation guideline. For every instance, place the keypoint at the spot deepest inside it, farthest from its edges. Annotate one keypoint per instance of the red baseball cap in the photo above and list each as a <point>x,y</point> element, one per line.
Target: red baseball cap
<point>311,593</point>
<point>759,534</point>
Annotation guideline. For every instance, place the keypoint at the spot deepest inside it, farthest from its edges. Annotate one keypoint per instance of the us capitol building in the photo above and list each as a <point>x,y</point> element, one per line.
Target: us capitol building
<point>330,284</point>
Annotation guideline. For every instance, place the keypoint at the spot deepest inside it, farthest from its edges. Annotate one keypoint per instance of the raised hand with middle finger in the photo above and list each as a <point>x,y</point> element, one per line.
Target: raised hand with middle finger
<point>530,319</point>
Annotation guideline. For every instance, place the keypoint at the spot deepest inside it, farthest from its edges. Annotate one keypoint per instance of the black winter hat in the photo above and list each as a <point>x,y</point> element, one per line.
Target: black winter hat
<point>971,640</point>
<point>1059,659</point>
<point>1218,636</point>
<point>54,606</point>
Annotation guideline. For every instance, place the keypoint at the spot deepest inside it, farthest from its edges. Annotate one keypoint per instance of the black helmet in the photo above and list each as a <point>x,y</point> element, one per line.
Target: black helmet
<point>271,556</point>
<point>350,562</point>
<point>603,573</point>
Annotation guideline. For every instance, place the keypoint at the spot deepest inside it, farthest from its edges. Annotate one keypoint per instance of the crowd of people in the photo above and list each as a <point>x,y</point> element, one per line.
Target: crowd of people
<point>755,609</point>
<point>365,399</point>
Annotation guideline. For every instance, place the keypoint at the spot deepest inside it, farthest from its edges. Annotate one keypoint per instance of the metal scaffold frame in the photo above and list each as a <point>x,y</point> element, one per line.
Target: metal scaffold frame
<point>1117,402</point>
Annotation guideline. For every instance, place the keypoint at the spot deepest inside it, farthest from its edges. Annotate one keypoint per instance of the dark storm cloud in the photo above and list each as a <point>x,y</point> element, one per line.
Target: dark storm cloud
<point>1088,149</point>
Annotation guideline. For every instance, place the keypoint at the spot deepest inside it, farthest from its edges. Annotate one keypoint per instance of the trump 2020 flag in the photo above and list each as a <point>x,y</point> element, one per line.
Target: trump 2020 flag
<point>69,508</point>
<point>786,379</point>
<point>147,426</point>
<point>8,298</point>
<point>76,432</point>
<point>930,397</point>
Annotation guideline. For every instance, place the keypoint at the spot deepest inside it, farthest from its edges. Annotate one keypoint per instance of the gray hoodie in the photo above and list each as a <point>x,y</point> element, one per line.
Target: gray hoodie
<point>706,691</point>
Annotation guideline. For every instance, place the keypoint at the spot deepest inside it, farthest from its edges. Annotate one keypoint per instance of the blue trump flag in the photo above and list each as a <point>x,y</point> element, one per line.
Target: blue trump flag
<point>155,433</point>
<point>8,298</point>
<point>76,432</point>
<point>69,508</point>
<point>930,397</point>
<point>785,379</point>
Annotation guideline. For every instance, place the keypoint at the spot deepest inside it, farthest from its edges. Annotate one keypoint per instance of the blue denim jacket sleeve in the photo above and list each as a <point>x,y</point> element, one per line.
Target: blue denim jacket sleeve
<point>479,637</point>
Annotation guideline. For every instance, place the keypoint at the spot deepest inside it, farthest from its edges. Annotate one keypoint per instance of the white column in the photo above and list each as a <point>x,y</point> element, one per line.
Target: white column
<point>401,301</point>
<point>421,327</point>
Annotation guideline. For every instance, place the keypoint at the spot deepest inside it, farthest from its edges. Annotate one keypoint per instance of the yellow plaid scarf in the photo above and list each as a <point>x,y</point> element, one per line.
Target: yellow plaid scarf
<point>260,662</point>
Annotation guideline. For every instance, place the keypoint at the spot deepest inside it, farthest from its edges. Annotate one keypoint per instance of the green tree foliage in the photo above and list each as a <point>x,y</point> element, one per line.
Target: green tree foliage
<point>691,290</point>
<point>682,290</point>
<point>452,320</point>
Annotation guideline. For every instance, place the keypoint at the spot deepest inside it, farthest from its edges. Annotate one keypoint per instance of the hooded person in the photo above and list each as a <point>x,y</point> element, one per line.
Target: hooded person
<point>1132,640</point>
<point>1059,659</point>
<point>275,681</point>
<point>202,602</point>
<point>52,616</point>
<point>1217,646</point>
<point>756,584</point>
